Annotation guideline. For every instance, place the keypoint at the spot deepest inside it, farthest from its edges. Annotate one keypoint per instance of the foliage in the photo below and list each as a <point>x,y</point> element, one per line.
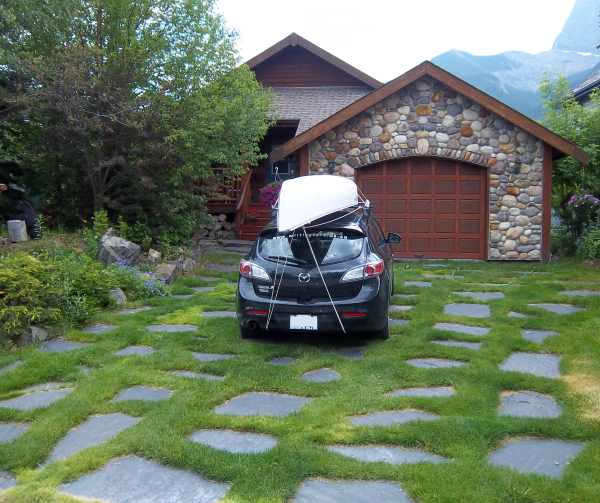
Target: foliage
<point>576,190</point>
<point>92,235</point>
<point>126,106</point>
<point>270,193</point>
<point>590,243</point>
<point>58,285</point>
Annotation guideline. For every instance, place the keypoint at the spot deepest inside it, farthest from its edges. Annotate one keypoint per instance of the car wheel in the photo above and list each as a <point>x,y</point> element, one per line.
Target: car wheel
<point>384,333</point>
<point>247,333</point>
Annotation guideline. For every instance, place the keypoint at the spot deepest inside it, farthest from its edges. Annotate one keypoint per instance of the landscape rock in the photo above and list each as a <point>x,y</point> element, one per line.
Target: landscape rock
<point>154,256</point>
<point>166,272</point>
<point>118,296</point>
<point>114,249</point>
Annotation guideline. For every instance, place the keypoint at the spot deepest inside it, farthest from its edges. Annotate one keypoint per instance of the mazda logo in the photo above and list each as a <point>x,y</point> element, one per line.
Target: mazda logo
<point>303,277</point>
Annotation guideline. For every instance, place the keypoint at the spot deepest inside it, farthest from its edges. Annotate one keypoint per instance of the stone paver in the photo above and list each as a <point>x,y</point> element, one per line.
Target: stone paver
<point>262,404</point>
<point>418,284</point>
<point>7,481</point>
<point>395,308</point>
<point>135,350</point>
<point>560,309</point>
<point>167,328</point>
<point>515,314</point>
<point>462,329</point>
<point>61,346</point>
<point>467,310</point>
<point>475,346</point>
<point>481,296</point>
<point>219,314</point>
<point>392,417</point>
<point>182,296</point>
<point>282,360</point>
<point>12,431</point>
<point>350,491</point>
<point>323,375</point>
<point>197,375</point>
<point>434,363</point>
<point>405,296</point>
<point>397,323</point>
<point>385,454</point>
<point>434,266</point>
<point>236,442</point>
<point>203,289</point>
<point>212,357</point>
<point>528,404</point>
<point>222,267</point>
<point>10,367</point>
<point>452,277</point>
<point>99,328</point>
<point>353,353</point>
<point>532,455</point>
<point>580,293</point>
<point>143,393</point>
<point>133,310</point>
<point>207,279</point>
<point>133,479</point>
<point>538,364</point>
<point>538,336</point>
<point>37,397</point>
<point>423,392</point>
<point>94,431</point>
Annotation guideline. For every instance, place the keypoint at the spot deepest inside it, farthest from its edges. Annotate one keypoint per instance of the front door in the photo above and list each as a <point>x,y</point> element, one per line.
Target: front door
<point>281,170</point>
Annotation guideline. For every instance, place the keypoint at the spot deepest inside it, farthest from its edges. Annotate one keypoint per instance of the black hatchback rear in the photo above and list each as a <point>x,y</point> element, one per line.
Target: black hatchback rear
<point>281,288</point>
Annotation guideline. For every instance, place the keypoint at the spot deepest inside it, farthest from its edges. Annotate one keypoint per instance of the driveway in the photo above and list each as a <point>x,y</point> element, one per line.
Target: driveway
<point>488,390</point>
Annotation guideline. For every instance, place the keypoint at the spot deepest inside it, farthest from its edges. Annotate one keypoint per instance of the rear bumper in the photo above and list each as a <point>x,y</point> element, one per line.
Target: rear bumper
<point>372,300</point>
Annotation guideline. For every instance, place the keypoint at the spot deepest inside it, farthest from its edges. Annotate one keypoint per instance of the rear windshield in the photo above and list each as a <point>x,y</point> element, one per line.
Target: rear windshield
<point>329,246</point>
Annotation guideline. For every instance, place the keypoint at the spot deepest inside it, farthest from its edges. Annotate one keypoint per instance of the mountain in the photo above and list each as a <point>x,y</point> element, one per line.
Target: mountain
<point>581,32</point>
<point>514,77</point>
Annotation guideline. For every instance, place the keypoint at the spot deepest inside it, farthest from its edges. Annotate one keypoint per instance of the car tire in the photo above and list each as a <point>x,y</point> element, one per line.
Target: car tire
<point>384,333</point>
<point>246,333</point>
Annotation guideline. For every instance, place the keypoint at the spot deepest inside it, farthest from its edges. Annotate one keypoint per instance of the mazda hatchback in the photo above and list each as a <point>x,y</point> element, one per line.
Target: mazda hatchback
<point>281,288</point>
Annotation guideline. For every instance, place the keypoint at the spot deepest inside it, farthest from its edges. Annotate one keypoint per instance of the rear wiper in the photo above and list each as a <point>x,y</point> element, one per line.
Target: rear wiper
<point>289,259</point>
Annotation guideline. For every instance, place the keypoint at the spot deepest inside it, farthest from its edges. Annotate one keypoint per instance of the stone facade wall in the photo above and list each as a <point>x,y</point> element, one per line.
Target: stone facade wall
<point>429,119</point>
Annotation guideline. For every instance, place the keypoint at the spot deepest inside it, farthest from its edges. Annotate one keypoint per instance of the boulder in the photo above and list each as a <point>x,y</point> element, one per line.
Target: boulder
<point>166,272</point>
<point>34,335</point>
<point>153,256</point>
<point>114,249</point>
<point>188,265</point>
<point>118,296</point>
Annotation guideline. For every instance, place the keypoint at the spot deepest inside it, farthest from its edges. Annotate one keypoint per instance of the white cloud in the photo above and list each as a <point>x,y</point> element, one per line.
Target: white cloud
<point>387,37</point>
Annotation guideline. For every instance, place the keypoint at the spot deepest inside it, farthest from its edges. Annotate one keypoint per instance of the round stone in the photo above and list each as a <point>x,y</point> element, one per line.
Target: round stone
<point>423,110</point>
<point>323,375</point>
<point>376,131</point>
<point>422,146</point>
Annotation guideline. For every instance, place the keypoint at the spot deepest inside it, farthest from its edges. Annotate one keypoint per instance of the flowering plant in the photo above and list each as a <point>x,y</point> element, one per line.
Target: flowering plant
<point>579,200</point>
<point>270,193</point>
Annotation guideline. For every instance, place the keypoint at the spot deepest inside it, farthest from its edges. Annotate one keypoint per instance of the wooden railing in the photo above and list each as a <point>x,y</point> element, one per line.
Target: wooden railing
<point>243,201</point>
<point>226,191</point>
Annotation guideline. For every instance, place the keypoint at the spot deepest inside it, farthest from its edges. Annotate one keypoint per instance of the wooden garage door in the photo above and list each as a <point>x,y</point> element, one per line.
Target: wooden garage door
<point>438,206</point>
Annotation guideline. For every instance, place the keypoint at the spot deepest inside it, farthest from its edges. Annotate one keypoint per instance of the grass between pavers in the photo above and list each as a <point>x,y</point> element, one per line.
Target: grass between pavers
<point>468,430</point>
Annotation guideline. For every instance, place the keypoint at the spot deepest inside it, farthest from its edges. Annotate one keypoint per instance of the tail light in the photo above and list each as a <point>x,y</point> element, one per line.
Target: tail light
<point>373,268</point>
<point>251,270</point>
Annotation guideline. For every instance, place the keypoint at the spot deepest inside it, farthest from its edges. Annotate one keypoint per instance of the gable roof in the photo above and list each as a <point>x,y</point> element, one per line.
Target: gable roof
<point>311,105</point>
<point>559,144</point>
<point>586,87</point>
<point>295,40</point>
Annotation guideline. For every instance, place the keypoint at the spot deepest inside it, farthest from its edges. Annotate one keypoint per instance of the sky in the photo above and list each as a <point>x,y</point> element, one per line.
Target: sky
<point>385,38</point>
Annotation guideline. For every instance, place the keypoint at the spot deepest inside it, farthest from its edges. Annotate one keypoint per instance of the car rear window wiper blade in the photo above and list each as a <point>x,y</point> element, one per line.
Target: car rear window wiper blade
<point>281,258</point>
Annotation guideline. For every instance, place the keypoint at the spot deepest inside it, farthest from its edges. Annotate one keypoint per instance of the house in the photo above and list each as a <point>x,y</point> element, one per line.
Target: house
<point>582,93</point>
<point>455,172</point>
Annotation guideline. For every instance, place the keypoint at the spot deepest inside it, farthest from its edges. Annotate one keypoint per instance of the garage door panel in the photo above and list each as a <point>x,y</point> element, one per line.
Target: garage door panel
<point>438,206</point>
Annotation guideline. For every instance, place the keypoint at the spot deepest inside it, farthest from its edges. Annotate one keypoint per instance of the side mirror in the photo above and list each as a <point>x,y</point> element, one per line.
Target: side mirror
<point>393,238</point>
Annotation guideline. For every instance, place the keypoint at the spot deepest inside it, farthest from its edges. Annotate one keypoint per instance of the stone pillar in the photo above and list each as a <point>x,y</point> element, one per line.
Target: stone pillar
<point>17,231</point>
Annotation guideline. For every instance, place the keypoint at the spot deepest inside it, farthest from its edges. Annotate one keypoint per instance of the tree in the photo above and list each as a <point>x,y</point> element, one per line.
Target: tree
<point>129,103</point>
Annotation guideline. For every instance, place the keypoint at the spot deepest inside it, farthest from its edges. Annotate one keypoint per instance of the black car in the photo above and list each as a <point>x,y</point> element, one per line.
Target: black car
<point>281,288</point>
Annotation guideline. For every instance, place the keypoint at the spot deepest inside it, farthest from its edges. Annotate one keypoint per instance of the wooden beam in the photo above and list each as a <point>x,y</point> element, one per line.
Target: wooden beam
<point>547,202</point>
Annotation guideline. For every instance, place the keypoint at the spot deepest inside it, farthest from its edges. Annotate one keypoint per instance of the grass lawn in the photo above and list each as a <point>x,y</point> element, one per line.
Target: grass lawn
<point>468,430</point>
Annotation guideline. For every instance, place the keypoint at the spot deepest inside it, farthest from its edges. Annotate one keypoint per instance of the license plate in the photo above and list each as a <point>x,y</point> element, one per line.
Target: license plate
<point>303,322</point>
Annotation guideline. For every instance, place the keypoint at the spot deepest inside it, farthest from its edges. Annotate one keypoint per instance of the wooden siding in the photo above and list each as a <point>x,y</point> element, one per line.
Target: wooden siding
<point>297,67</point>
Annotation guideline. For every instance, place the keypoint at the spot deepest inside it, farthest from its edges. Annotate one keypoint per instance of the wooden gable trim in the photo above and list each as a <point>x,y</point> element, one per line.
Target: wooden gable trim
<point>295,40</point>
<point>559,144</point>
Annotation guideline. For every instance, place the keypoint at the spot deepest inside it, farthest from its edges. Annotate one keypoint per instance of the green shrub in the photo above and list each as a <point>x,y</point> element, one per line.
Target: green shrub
<point>93,234</point>
<point>589,246</point>
<point>58,285</point>
<point>564,243</point>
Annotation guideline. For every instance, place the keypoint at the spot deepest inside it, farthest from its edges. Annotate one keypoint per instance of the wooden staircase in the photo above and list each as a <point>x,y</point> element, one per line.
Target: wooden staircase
<point>255,218</point>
